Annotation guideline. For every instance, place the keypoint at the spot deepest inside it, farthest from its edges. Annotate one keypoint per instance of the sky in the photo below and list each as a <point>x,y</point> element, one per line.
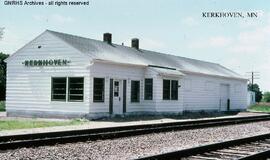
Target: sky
<point>173,26</point>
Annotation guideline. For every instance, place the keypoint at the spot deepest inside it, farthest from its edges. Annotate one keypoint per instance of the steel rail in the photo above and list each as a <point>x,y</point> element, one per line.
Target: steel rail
<point>51,138</point>
<point>259,156</point>
<point>185,153</point>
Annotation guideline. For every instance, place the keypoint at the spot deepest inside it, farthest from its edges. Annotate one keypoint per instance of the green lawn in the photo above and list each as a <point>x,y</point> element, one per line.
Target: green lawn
<point>9,124</point>
<point>2,106</point>
<point>261,107</point>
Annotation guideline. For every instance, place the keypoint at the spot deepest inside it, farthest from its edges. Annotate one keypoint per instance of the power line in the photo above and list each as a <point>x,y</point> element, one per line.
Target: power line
<point>253,75</point>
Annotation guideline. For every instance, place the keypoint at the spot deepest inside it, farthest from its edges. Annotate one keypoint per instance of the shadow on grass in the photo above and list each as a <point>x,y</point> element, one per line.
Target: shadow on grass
<point>185,115</point>
<point>2,106</point>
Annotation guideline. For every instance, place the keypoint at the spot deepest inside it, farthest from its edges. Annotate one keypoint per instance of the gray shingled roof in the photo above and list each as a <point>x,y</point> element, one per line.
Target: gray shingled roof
<point>100,50</point>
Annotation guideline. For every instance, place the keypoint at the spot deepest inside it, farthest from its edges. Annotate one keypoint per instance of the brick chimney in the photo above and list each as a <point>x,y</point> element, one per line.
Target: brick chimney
<point>135,43</point>
<point>107,37</point>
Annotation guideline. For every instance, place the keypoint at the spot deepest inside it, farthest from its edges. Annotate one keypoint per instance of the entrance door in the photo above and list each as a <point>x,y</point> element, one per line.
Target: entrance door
<point>224,96</point>
<point>117,97</point>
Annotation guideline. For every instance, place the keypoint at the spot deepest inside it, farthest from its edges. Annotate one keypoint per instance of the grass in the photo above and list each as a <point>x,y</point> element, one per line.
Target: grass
<point>185,115</point>
<point>261,107</point>
<point>9,124</point>
<point>2,106</point>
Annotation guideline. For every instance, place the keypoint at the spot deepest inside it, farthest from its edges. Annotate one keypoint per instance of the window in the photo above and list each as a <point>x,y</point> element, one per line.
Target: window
<point>116,88</point>
<point>59,89</point>
<point>166,89</point>
<point>98,90</point>
<point>135,91</point>
<point>174,90</point>
<point>148,89</point>
<point>170,89</point>
<point>75,89</point>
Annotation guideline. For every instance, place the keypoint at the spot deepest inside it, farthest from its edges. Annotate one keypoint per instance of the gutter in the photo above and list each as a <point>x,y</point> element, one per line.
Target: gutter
<point>184,71</point>
<point>219,76</point>
<point>120,63</point>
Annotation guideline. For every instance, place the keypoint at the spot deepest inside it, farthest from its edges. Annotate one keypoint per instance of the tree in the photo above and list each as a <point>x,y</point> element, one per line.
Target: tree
<point>3,68</point>
<point>266,97</point>
<point>255,88</point>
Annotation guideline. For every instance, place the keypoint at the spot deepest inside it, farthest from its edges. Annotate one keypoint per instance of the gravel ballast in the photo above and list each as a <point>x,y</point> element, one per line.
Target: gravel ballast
<point>139,146</point>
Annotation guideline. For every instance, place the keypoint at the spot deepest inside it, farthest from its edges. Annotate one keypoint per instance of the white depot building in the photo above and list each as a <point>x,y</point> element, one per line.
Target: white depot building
<point>62,75</point>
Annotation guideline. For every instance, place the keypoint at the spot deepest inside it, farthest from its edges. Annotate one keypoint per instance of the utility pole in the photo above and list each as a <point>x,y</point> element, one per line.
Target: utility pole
<point>1,32</point>
<point>252,80</point>
<point>253,75</point>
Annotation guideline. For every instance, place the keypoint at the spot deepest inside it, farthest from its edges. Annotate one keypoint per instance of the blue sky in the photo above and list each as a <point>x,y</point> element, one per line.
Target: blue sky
<point>172,26</point>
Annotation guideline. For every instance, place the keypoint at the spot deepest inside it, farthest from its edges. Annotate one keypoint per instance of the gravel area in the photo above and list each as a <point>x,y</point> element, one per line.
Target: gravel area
<point>107,123</point>
<point>137,146</point>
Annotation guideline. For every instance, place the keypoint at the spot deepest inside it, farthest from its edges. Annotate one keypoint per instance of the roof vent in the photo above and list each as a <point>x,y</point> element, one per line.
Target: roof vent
<point>107,37</point>
<point>135,43</point>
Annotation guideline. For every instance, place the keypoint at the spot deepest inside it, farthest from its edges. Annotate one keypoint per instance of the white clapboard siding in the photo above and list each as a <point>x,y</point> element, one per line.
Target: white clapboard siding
<point>129,73</point>
<point>29,88</point>
<point>203,92</point>
<point>118,71</point>
<point>168,105</point>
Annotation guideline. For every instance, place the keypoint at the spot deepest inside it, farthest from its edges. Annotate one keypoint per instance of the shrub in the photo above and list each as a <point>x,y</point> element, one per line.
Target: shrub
<point>266,97</point>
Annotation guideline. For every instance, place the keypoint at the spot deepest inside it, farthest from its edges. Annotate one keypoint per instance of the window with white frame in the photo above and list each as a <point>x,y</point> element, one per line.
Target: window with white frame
<point>98,91</point>
<point>148,89</point>
<point>60,86</point>
<point>75,88</point>
<point>135,91</point>
<point>170,89</point>
<point>58,89</point>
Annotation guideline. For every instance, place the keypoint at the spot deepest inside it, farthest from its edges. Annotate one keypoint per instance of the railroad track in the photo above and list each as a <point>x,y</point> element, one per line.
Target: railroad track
<point>250,148</point>
<point>52,138</point>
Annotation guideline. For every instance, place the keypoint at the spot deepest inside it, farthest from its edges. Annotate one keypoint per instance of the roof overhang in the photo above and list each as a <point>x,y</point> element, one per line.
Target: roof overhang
<point>118,63</point>
<point>167,72</point>
<point>219,76</point>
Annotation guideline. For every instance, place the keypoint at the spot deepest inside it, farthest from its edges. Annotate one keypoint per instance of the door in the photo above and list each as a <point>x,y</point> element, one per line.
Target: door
<point>117,97</point>
<point>224,97</point>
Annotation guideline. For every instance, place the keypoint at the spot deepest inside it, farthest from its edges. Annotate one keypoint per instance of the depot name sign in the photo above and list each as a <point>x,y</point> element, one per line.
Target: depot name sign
<point>46,62</point>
